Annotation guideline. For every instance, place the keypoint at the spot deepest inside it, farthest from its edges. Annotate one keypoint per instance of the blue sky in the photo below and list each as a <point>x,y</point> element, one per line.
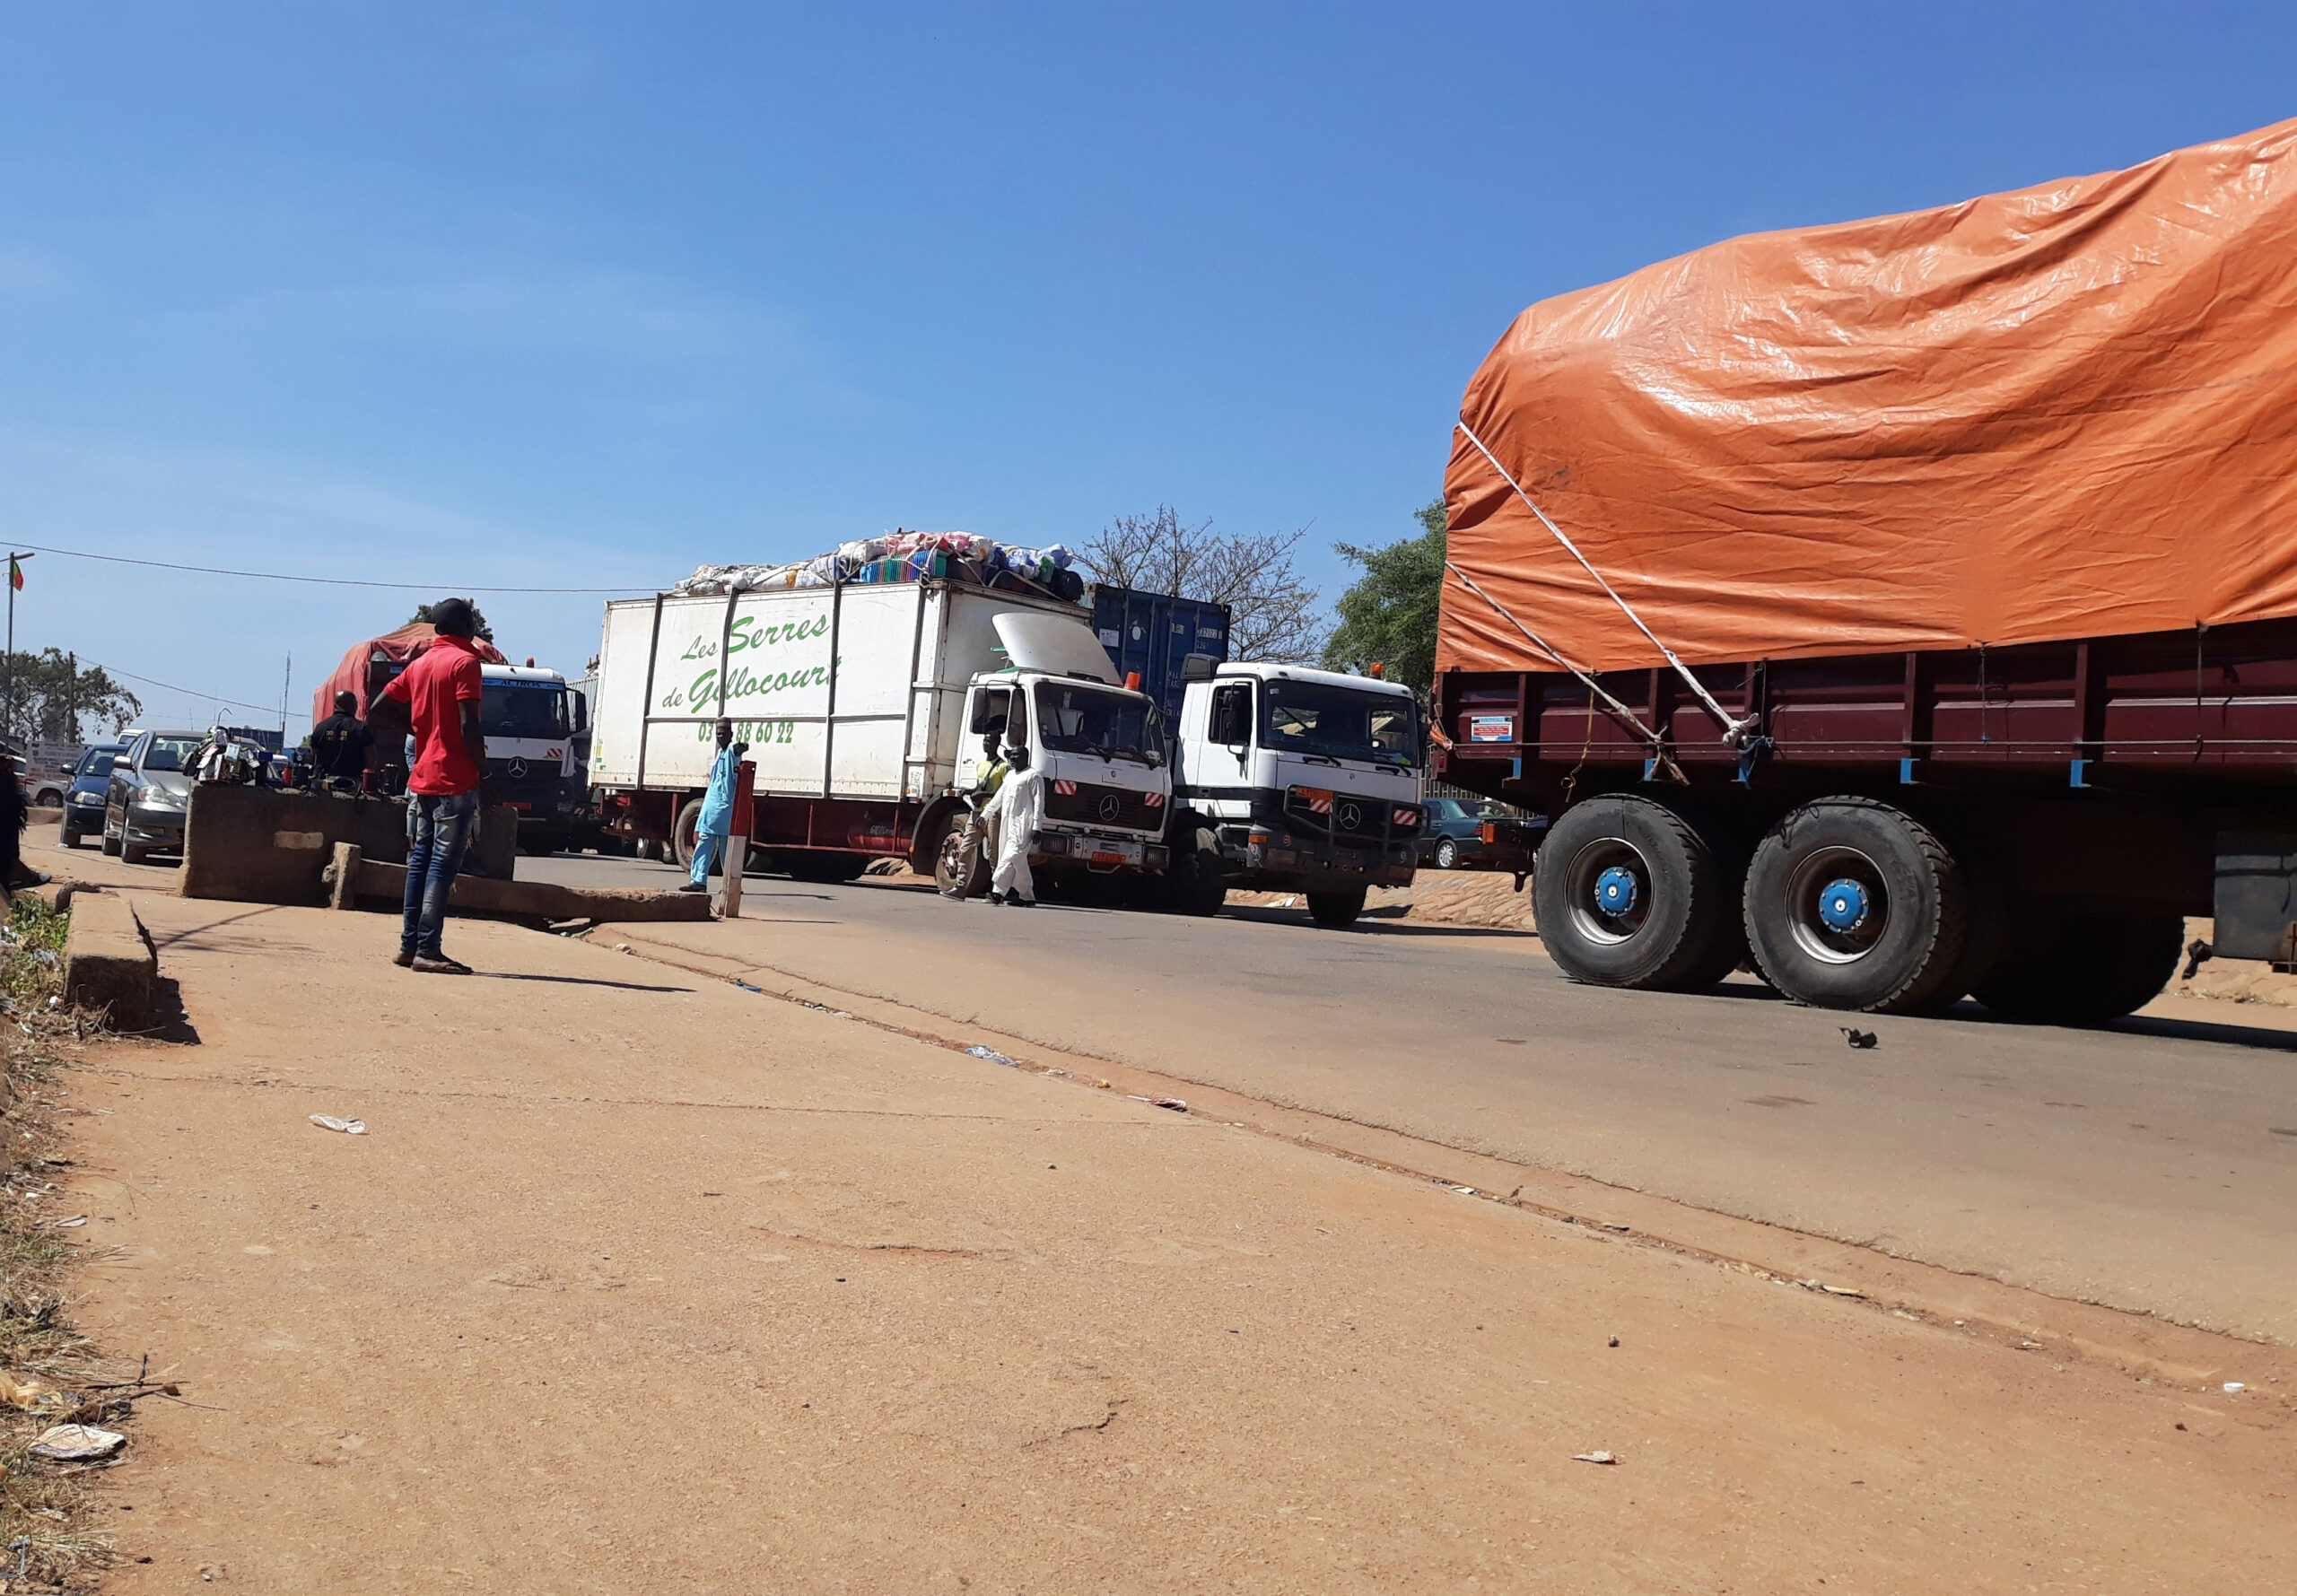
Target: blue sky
<point>584,295</point>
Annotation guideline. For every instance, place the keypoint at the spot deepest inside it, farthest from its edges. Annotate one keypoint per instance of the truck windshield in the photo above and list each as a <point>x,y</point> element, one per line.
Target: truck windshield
<point>522,709</point>
<point>1339,722</point>
<point>1081,719</point>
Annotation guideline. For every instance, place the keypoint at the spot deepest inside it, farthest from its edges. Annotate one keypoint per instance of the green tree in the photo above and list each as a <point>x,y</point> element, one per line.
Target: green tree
<point>50,694</point>
<point>478,617</point>
<point>1388,612</point>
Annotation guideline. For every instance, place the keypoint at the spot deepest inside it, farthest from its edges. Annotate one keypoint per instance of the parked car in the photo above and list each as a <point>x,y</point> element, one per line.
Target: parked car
<point>1478,834</point>
<point>83,803</point>
<point>144,802</point>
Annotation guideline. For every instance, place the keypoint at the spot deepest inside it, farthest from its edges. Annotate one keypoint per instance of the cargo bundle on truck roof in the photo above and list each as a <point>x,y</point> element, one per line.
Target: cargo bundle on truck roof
<point>1910,604</point>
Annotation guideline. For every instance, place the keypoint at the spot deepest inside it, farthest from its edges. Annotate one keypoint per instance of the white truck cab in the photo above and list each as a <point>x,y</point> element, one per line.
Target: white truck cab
<point>530,723</point>
<point>1099,744</point>
<point>1302,780</point>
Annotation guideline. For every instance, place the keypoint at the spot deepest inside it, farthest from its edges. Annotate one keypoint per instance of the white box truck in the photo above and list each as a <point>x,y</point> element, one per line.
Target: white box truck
<point>866,706</point>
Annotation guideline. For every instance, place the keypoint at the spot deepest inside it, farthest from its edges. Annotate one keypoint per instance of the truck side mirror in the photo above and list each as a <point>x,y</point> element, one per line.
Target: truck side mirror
<point>1198,667</point>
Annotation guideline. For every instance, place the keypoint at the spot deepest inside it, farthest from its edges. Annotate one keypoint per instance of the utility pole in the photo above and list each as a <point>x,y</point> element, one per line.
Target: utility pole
<point>15,580</point>
<point>286,684</point>
<point>72,697</point>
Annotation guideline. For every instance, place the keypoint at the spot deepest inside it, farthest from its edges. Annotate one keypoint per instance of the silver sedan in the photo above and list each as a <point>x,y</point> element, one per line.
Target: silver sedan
<point>144,807</point>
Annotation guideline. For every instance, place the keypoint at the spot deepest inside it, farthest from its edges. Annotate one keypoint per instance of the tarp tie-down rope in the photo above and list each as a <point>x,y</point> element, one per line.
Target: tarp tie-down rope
<point>1544,646</point>
<point>1736,729</point>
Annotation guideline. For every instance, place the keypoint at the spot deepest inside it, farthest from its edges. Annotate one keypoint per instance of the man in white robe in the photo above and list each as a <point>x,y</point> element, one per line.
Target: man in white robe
<point>1015,811</point>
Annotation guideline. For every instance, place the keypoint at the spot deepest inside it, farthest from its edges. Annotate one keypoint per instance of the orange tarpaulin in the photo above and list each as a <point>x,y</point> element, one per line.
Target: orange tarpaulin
<point>2065,411</point>
<point>396,648</point>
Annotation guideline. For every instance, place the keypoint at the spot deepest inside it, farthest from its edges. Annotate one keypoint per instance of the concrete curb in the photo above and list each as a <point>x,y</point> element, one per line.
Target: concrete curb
<point>108,959</point>
<point>58,894</point>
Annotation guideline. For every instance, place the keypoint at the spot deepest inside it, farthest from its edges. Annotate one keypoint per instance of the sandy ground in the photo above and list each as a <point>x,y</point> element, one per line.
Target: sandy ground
<point>641,1281</point>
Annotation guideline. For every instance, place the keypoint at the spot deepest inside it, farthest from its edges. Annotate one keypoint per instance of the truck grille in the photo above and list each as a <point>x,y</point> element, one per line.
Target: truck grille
<point>1087,803</point>
<point>1350,817</point>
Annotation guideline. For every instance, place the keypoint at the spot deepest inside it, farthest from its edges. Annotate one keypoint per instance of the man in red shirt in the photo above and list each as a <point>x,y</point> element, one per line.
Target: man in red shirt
<point>441,689</point>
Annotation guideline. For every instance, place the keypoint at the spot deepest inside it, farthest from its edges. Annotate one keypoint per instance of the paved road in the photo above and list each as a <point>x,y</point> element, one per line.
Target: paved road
<point>639,1283</point>
<point>2151,1166</point>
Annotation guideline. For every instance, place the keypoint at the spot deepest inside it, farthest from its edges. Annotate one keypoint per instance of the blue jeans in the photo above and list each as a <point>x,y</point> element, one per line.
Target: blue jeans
<point>709,849</point>
<point>438,830</point>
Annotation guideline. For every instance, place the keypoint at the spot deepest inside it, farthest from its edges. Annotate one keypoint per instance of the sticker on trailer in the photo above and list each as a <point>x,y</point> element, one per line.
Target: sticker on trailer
<point>1492,728</point>
<point>1109,637</point>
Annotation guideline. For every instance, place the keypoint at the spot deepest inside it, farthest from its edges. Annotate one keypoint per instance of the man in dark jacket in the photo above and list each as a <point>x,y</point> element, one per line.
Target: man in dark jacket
<point>14,873</point>
<point>339,743</point>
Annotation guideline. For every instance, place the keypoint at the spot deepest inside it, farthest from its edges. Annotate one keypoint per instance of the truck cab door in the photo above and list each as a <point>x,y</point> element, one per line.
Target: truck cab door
<point>992,708</point>
<point>1231,721</point>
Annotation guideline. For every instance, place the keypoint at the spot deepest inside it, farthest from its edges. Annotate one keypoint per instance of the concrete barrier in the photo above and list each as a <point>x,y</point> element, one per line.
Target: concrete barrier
<point>108,959</point>
<point>263,845</point>
<point>534,900</point>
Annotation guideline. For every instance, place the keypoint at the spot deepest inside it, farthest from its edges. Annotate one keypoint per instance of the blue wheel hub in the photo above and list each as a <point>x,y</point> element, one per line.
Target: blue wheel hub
<point>1616,891</point>
<point>1844,905</point>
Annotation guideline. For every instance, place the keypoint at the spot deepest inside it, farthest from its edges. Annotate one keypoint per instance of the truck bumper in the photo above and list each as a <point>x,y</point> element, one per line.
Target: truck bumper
<point>1306,864</point>
<point>1098,850</point>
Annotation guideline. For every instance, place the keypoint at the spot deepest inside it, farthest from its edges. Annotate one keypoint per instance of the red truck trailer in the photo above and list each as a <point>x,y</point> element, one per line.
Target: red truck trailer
<point>1906,607</point>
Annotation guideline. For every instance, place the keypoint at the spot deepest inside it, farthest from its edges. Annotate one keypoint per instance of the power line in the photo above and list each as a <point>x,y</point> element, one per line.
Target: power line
<point>323,581</point>
<point>236,703</point>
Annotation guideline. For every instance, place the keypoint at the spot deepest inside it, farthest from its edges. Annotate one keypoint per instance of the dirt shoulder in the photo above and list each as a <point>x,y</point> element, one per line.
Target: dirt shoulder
<point>639,1280</point>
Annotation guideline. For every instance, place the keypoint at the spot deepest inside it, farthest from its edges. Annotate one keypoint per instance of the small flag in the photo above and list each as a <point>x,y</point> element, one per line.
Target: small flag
<point>15,574</point>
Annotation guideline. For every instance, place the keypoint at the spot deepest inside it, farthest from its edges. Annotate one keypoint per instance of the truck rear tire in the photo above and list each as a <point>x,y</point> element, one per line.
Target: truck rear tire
<point>1853,904</point>
<point>1629,894</point>
<point>959,869</point>
<point>2089,966</point>
<point>1336,910</point>
<point>682,836</point>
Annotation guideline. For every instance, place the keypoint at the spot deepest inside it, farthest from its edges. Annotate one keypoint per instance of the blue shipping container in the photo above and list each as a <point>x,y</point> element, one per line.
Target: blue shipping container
<point>1154,633</point>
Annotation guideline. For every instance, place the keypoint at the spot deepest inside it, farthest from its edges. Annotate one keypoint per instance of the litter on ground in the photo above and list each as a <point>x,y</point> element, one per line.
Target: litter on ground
<point>332,1122</point>
<point>77,1444</point>
<point>979,1051</point>
<point>1593,1457</point>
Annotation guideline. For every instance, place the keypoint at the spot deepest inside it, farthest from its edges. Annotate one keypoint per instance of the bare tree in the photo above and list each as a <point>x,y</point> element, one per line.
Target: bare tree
<point>1272,611</point>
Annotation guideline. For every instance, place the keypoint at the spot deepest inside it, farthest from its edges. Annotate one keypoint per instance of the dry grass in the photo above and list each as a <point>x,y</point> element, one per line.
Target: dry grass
<point>42,1503</point>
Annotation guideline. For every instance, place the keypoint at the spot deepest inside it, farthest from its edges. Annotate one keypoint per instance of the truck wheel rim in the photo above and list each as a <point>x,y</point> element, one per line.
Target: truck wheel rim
<point>1837,905</point>
<point>953,860</point>
<point>1609,890</point>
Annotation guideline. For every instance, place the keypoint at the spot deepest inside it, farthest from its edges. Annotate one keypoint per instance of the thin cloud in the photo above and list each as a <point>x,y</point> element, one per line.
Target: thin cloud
<point>596,312</point>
